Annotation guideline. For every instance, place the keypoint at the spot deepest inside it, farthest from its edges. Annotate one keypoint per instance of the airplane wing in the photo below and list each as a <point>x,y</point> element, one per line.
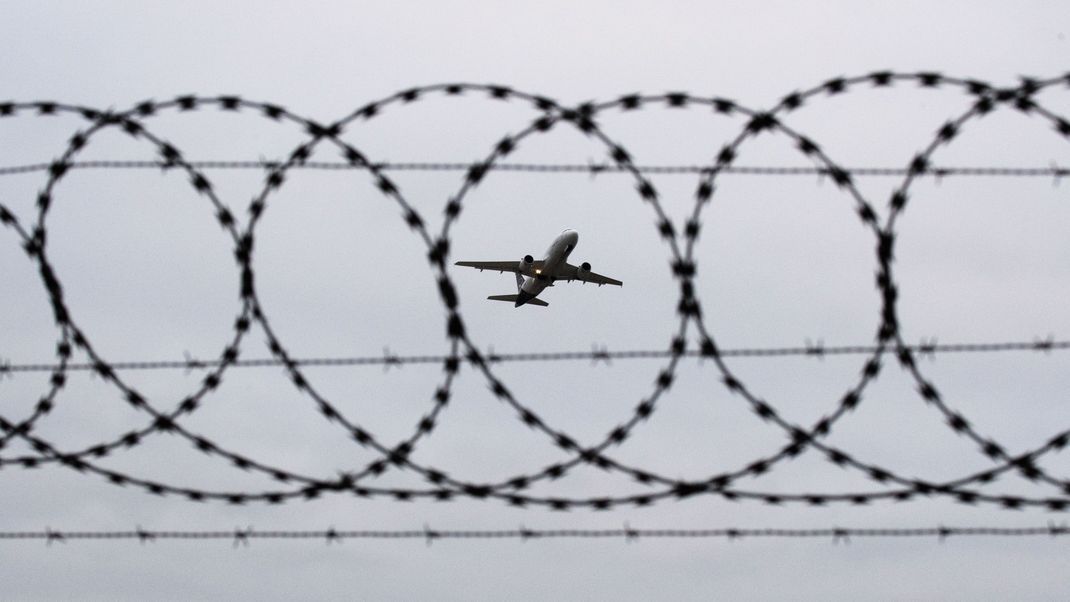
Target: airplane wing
<point>499,266</point>
<point>571,272</point>
<point>513,266</point>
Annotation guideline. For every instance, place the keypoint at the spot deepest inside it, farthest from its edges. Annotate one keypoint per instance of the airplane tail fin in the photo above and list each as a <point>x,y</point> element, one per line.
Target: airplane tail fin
<point>513,298</point>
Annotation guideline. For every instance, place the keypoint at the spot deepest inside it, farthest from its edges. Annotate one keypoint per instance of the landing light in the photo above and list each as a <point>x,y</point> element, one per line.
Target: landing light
<point>538,271</point>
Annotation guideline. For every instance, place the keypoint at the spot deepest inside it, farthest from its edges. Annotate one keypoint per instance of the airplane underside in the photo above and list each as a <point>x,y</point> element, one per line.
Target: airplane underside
<point>532,276</point>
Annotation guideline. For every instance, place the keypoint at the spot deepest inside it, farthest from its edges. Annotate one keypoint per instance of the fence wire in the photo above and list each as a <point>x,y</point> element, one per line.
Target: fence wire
<point>1054,171</point>
<point>597,354</point>
<point>243,537</point>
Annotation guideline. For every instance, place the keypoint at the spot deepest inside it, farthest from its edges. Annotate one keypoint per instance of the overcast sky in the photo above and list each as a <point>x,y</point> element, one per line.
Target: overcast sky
<point>148,274</point>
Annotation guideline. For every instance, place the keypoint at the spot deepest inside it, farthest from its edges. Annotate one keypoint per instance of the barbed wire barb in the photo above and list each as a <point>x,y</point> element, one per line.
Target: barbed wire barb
<point>241,537</point>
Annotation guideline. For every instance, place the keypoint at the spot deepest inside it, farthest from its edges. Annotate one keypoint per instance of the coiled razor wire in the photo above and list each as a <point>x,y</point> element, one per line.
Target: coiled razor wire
<point>982,99</point>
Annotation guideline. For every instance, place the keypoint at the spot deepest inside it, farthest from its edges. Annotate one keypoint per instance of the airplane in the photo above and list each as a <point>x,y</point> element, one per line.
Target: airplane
<point>532,276</point>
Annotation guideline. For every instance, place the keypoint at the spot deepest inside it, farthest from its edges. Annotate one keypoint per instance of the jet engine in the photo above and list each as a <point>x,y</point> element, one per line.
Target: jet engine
<point>584,269</point>
<point>526,264</point>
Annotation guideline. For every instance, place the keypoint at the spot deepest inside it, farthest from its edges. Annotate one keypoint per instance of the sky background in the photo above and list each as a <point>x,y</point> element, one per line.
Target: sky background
<point>148,274</point>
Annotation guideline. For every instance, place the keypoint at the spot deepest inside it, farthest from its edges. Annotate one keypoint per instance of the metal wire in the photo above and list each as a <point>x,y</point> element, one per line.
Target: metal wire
<point>590,168</point>
<point>596,354</point>
<point>242,537</point>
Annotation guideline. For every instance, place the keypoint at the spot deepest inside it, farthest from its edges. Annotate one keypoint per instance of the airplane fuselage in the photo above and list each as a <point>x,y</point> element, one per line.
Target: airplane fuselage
<point>534,275</point>
<point>556,255</point>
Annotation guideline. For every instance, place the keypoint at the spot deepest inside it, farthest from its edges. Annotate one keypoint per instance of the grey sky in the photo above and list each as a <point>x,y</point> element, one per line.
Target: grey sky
<point>149,274</point>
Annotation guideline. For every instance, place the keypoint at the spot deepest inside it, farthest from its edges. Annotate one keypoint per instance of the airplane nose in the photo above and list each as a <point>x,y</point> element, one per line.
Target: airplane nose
<point>573,237</point>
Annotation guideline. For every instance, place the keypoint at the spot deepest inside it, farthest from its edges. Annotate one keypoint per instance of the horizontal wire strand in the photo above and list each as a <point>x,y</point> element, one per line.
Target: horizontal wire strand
<point>596,355</point>
<point>590,168</point>
<point>243,536</point>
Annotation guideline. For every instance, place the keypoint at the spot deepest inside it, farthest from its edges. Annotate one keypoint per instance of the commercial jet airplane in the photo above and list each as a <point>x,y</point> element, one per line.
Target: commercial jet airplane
<point>532,276</point>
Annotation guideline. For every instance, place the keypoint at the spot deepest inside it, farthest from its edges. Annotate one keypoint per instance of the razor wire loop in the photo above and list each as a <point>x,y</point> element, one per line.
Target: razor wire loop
<point>677,492</point>
<point>35,246</point>
<point>161,423</point>
<point>37,243</point>
<point>802,438</point>
<point>1021,98</point>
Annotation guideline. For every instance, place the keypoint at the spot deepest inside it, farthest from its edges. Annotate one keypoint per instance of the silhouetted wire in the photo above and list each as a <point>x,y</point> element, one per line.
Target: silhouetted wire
<point>596,355</point>
<point>591,168</point>
<point>625,534</point>
<point>983,99</point>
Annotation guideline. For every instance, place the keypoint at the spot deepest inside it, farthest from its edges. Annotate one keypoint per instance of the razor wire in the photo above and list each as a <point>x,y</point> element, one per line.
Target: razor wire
<point>679,241</point>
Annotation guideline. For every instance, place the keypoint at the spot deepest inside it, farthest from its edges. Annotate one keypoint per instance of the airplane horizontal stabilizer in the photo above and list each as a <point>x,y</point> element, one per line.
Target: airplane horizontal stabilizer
<point>512,299</point>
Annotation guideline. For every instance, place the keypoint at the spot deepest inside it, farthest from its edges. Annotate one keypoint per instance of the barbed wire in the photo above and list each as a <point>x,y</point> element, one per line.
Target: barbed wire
<point>596,354</point>
<point>243,536</point>
<point>982,99</point>
<point>1053,171</point>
